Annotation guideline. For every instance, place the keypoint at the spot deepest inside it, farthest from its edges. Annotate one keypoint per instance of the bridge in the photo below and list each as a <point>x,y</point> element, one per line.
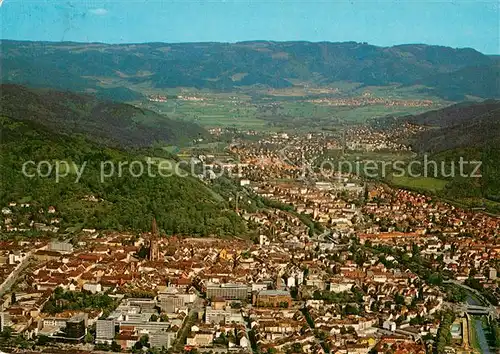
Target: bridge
<point>477,310</point>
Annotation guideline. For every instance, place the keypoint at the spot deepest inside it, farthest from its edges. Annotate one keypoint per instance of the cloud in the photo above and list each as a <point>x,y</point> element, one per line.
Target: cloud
<point>99,11</point>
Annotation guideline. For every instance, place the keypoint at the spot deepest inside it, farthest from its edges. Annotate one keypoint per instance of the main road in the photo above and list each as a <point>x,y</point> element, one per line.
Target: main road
<point>13,276</point>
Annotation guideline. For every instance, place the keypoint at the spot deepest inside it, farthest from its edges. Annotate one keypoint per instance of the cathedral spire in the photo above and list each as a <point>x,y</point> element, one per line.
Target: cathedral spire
<point>154,228</point>
<point>154,251</point>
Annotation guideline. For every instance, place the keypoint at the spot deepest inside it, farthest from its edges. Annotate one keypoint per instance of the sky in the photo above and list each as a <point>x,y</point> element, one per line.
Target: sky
<point>460,23</point>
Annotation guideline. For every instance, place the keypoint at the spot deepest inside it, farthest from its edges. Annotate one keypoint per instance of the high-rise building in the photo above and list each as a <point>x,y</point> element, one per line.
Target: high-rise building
<point>75,327</point>
<point>170,303</point>
<point>217,316</point>
<point>227,291</point>
<point>161,338</point>
<point>105,330</point>
<point>2,321</point>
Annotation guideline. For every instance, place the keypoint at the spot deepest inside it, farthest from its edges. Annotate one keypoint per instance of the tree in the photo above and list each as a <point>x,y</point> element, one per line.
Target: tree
<point>271,350</point>
<point>413,304</point>
<point>43,340</point>
<point>144,341</point>
<point>399,299</point>
<point>443,336</point>
<point>6,333</point>
<point>102,346</point>
<point>116,347</point>
<point>435,279</point>
<point>351,310</point>
<point>296,348</point>
<point>89,338</point>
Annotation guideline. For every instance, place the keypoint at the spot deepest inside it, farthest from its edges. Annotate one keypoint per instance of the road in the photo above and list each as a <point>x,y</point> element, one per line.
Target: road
<point>188,322</point>
<point>13,276</point>
<point>247,330</point>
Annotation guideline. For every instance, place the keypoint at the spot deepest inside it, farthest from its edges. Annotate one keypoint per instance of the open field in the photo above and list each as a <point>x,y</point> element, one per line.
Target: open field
<point>362,114</point>
<point>213,113</point>
<point>487,205</point>
<point>275,109</point>
<point>378,155</point>
<point>419,183</point>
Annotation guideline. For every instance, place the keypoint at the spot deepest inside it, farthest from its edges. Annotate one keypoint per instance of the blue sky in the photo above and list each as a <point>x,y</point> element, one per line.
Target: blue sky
<point>452,23</point>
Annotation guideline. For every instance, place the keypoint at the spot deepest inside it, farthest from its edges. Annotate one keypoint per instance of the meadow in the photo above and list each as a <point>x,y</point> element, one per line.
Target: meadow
<point>429,184</point>
<point>265,109</point>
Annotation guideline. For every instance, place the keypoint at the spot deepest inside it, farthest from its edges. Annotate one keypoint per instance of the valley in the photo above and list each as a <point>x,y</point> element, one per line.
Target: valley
<point>252,197</point>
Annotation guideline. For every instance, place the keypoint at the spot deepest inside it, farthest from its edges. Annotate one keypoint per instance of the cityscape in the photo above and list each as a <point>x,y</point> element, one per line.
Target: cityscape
<point>251,177</point>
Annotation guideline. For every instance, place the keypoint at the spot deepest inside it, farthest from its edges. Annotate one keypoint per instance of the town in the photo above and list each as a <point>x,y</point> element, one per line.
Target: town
<point>339,264</point>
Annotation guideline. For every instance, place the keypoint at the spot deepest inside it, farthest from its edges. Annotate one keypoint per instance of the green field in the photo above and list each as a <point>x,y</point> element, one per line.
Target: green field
<point>214,114</point>
<point>419,183</point>
<point>281,109</point>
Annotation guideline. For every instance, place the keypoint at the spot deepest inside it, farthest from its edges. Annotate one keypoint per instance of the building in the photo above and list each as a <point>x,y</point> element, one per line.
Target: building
<point>162,339</point>
<point>45,256</point>
<point>389,325</point>
<point>58,246</point>
<point>227,291</point>
<point>493,273</point>
<point>92,287</point>
<point>126,341</point>
<point>218,304</point>
<point>244,182</point>
<point>75,327</point>
<point>54,322</point>
<point>217,316</point>
<point>200,339</point>
<point>273,298</point>
<point>142,303</point>
<point>171,303</point>
<point>3,318</point>
<point>105,331</point>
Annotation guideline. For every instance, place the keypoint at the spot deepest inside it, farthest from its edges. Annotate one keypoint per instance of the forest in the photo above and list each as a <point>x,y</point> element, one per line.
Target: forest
<point>181,205</point>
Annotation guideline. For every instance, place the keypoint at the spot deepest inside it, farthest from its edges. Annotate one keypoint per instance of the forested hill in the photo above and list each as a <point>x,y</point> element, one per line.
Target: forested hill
<point>463,125</point>
<point>456,114</point>
<point>468,132</point>
<point>181,205</point>
<point>446,72</point>
<point>106,122</point>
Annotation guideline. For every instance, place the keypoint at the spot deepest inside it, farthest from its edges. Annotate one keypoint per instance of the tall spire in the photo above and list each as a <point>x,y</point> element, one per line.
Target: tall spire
<point>154,251</point>
<point>154,228</point>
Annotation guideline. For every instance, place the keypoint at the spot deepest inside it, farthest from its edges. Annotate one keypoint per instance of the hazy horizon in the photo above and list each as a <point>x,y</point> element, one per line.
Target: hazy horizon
<point>244,41</point>
<point>457,24</point>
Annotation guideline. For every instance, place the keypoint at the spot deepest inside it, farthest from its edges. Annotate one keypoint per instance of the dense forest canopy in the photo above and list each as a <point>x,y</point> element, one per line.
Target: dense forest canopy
<point>181,205</point>
<point>106,122</point>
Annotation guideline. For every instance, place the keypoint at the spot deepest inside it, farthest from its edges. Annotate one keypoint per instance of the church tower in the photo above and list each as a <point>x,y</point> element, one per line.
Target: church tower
<point>154,251</point>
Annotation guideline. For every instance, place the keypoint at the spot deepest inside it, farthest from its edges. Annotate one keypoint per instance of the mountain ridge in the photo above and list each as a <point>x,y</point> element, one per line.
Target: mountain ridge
<point>213,65</point>
<point>464,132</point>
<point>103,121</point>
